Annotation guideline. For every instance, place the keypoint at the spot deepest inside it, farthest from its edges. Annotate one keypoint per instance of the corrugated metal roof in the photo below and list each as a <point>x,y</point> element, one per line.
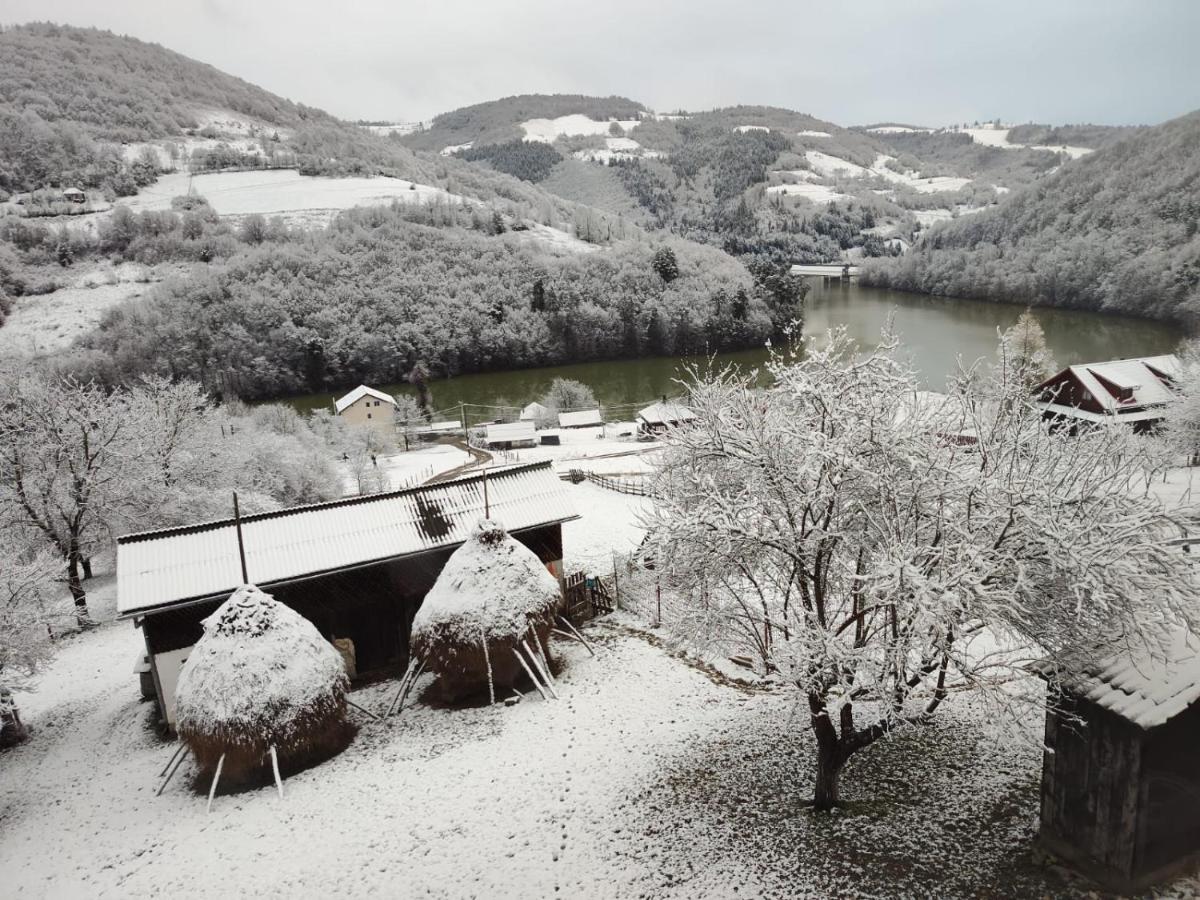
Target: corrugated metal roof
<point>166,567</point>
<point>1146,689</point>
<point>579,419</point>
<point>358,393</point>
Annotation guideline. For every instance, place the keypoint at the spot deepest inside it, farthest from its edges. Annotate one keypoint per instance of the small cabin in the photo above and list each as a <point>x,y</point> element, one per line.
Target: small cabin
<point>584,418</point>
<point>1121,769</point>
<point>1133,391</point>
<point>367,406</point>
<point>74,195</point>
<point>535,412</point>
<point>358,568</point>
<point>658,417</point>
<point>510,435</point>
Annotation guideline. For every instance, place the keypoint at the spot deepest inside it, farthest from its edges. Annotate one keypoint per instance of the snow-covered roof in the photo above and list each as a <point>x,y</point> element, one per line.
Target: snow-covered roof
<point>511,431</point>
<point>163,568</point>
<point>436,427</point>
<point>358,393</point>
<point>1147,689</point>
<point>1146,380</point>
<point>533,412</point>
<point>580,419</point>
<point>666,413</point>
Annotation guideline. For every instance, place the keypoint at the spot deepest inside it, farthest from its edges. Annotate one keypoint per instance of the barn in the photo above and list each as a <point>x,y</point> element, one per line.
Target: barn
<point>1121,773</point>
<point>1132,391</point>
<point>583,418</point>
<point>509,435</point>
<point>357,568</point>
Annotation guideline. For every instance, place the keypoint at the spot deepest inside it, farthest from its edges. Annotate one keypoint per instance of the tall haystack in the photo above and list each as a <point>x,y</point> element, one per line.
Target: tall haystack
<point>261,677</point>
<point>493,600</point>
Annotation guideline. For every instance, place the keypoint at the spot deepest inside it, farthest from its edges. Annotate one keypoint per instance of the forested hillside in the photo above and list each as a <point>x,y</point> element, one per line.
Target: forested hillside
<point>1116,230</point>
<point>377,292</point>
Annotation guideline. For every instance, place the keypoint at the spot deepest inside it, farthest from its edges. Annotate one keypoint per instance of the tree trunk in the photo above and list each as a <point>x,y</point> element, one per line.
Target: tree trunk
<point>78,594</point>
<point>87,568</point>
<point>829,769</point>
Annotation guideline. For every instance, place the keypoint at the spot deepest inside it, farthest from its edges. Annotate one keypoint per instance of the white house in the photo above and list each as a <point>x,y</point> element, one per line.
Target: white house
<point>367,406</point>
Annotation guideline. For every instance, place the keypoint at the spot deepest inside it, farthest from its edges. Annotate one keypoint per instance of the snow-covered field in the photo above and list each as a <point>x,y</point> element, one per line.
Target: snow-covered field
<point>897,129</point>
<point>549,130</point>
<point>808,133</point>
<point>283,192</point>
<point>42,323</point>
<point>835,167</point>
<point>409,469</point>
<point>814,193</point>
<point>998,137</point>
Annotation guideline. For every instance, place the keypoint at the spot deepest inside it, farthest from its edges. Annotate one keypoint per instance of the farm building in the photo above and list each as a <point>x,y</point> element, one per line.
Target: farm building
<point>1121,775</point>
<point>357,569</point>
<point>74,195</point>
<point>658,417</point>
<point>1135,391</point>
<point>534,412</point>
<point>584,418</point>
<point>507,435</point>
<point>367,406</point>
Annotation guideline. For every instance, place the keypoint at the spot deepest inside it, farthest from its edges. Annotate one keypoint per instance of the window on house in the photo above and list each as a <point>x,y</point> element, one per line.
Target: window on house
<point>368,415</point>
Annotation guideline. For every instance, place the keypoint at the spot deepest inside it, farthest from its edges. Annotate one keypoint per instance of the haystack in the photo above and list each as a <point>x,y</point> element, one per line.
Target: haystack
<point>493,600</point>
<point>261,677</point>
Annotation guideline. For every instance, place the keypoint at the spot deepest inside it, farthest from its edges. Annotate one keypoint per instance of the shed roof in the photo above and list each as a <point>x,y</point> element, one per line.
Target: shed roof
<point>160,569</point>
<point>579,419</point>
<point>1147,379</point>
<point>1146,689</point>
<point>666,413</point>
<point>511,431</point>
<point>358,393</point>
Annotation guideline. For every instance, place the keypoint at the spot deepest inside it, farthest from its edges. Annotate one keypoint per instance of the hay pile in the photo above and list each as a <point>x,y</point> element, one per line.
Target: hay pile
<point>493,593</point>
<point>261,676</point>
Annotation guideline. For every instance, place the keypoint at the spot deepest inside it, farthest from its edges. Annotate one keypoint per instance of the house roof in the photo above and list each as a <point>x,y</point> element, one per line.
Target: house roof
<point>358,393</point>
<point>1146,379</point>
<point>160,569</point>
<point>580,418</point>
<point>511,431</point>
<point>1145,688</point>
<point>533,411</point>
<point>666,413</point>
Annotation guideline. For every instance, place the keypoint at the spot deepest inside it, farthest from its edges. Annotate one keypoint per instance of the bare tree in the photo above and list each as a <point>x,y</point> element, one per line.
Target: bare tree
<point>29,609</point>
<point>882,547</point>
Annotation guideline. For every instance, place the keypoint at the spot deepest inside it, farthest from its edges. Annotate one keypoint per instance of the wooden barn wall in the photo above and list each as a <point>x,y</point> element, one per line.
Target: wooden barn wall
<point>1090,787</point>
<point>1170,820</point>
<point>373,605</point>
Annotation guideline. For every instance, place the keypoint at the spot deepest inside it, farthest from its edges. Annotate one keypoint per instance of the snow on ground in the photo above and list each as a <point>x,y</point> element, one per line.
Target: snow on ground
<point>609,523</point>
<point>454,148</point>
<point>927,217</point>
<point>409,469</point>
<point>43,323</point>
<point>998,137</point>
<point>814,193</point>
<point>548,130</point>
<point>897,129</point>
<point>832,166</point>
<point>397,128</point>
<point>283,192</point>
<point>552,238</point>
<point>807,133</point>
<point>744,128</point>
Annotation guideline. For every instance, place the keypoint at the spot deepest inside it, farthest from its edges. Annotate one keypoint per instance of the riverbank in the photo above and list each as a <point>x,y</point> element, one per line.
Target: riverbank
<point>935,332</point>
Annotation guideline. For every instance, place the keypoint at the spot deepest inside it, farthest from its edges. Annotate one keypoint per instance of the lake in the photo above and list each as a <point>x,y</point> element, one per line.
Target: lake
<point>935,332</point>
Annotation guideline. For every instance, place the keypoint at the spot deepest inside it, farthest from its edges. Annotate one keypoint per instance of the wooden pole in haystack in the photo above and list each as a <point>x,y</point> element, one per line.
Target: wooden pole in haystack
<point>237,521</point>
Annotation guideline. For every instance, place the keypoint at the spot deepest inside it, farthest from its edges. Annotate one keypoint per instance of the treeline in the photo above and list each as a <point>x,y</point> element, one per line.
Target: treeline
<point>1094,136</point>
<point>1115,231</point>
<point>376,294</point>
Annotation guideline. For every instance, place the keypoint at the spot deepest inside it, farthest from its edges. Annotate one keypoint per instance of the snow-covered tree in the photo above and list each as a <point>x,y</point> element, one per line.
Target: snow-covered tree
<point>29,610</point>
<point>1182,426</point>
<point>64,465</point>
<point>882,548</point>
<point>566,394</point>
<point>1023,361</point>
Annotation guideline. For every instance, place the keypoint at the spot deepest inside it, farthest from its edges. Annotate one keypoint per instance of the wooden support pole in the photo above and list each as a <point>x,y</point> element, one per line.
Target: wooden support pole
<point>408,688</point>
<point>182,746</point>
<point>487,659</point>
<point>538,665</point>
<point>412,664</point>
<point>524,665</point>
<point>575,631</point>
<point>275,768</point>
<point>237,521</point>
<point>575,638</point>
<point>162,787</point>
<point>366,712</point>
<point>216,778</point>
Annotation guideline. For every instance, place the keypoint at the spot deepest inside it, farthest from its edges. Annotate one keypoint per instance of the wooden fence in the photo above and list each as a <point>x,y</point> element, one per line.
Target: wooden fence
<point>620,485</point>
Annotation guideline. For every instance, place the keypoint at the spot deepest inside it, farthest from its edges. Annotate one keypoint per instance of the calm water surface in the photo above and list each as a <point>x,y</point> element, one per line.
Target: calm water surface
<point>934,332</point>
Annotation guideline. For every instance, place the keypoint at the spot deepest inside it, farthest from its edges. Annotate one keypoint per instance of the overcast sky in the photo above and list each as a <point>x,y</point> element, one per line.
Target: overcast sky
<point>919,61</point>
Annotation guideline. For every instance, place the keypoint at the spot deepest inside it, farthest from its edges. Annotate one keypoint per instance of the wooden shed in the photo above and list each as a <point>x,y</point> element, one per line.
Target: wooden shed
<point>659,417</point>
<point>1132,391</point>
<point>358,569</point>
<point>1121,769</point>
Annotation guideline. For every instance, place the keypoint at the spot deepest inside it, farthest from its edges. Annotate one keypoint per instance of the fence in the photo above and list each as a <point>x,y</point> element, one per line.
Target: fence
<point>638,488</point>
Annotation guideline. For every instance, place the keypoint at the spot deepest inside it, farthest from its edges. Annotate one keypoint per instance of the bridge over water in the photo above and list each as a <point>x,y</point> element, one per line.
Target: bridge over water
<point>843,271</point>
